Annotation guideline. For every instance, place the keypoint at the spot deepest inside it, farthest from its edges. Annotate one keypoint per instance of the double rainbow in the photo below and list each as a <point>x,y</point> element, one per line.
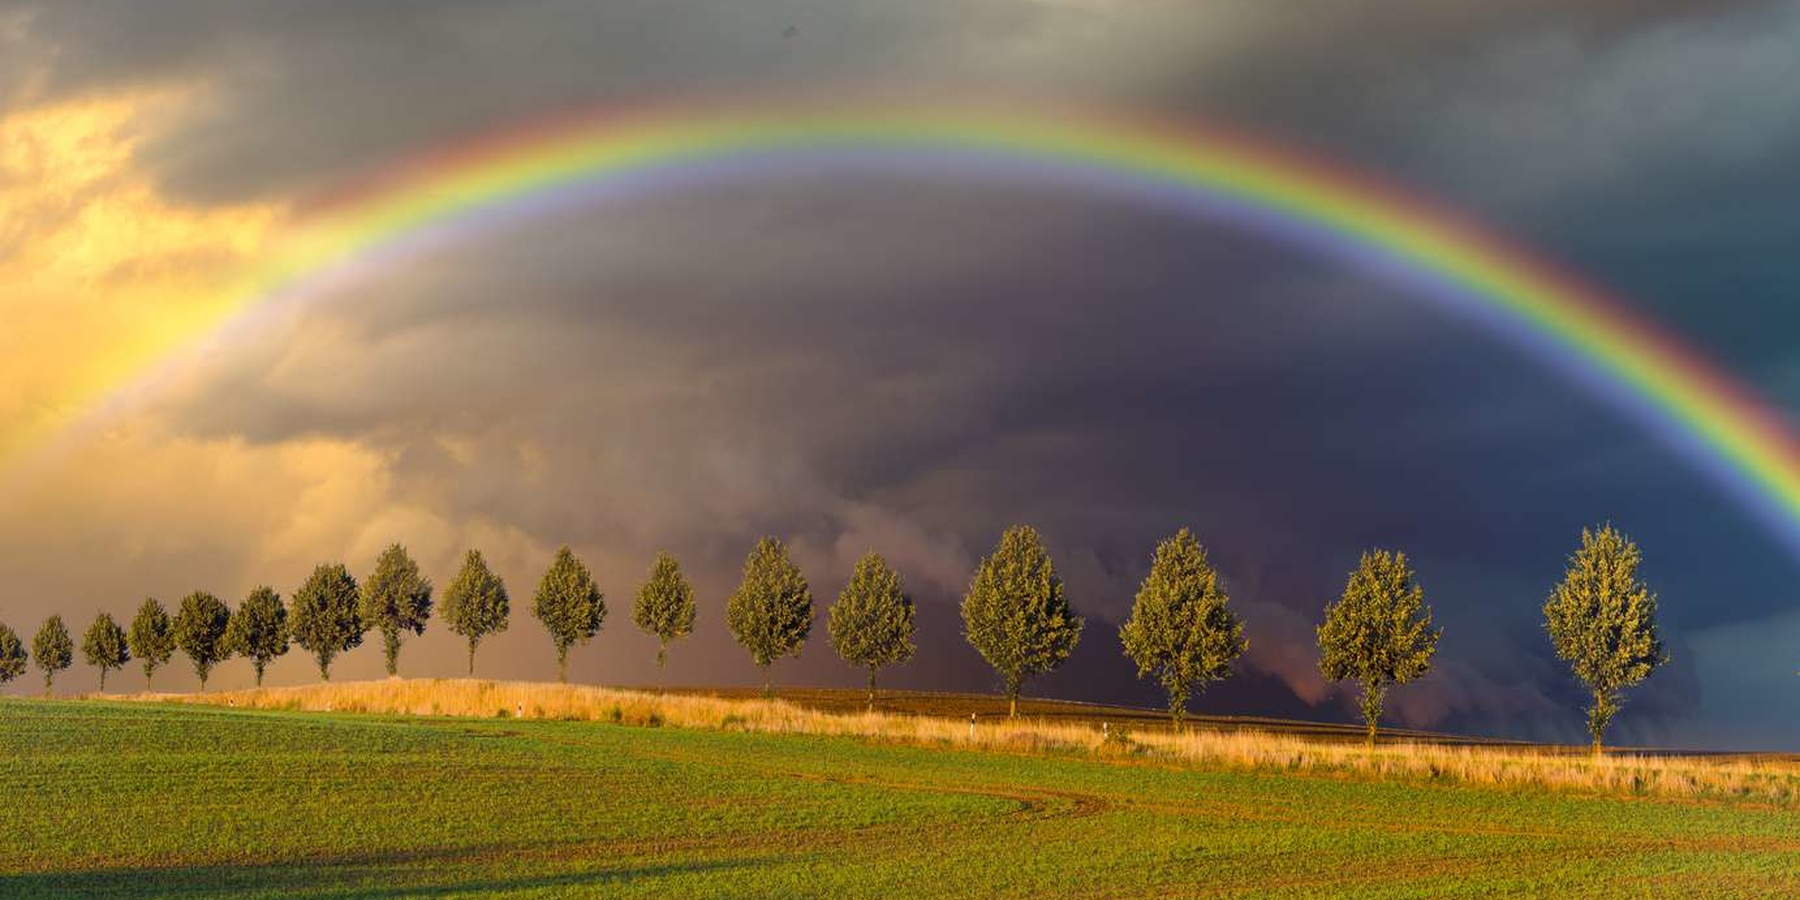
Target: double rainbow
<point>477,185</point>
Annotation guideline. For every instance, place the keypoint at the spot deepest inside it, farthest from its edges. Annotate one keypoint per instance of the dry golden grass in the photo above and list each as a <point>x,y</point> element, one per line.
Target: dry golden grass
<point>1768,780</point>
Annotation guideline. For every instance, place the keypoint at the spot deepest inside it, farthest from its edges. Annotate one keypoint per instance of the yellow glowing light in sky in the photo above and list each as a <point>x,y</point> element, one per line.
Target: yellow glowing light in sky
<point>100,272</point>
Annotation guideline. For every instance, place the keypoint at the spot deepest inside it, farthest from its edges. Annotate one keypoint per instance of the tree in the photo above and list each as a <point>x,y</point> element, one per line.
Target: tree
<point>152,638</point>
<point>200,632</point>
<point>1379,633</point>
<point>1602,621</point>
<point>1015,614</point>
<point>259,630</point>
<point>570,605</point>
<point>322,615</point>
<point>476,604</point>
<point>53,650</point>
<point>12,654</point>
<point>395,600</point>
<point>770,613</point>
<point>871,624</point>
<point>665,606</point>
<point>104,647</point>
<point>1180,631</point>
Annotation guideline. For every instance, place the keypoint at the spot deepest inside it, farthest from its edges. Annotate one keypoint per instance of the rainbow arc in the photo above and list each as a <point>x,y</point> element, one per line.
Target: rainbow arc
<point>493,181</point>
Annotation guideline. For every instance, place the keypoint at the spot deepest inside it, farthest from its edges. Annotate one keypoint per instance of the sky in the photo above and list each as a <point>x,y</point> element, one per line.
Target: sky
<point>902,361</point>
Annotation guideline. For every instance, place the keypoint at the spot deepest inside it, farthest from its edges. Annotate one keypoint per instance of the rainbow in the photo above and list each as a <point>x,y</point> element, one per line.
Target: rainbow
<point>526,171</point>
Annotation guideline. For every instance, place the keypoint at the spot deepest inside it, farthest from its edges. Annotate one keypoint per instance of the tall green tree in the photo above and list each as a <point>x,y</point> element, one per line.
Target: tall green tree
<point>770,614</point>
<point>323,615</point>
<point>665,607</point>
<point>396,599</point>
<point>12,654</point>
<point>200,632</point>
<point>1602,621</point>
<point>152,638</point>
<point>1180,631</point>
<point>259,629</point>
<point>104,647</point>
<point>53,650</point>
<point>1015,614</point>
<point>570,605</point>
<point>476,604</point>
<point>871,624</point>
<point>1379,633</point>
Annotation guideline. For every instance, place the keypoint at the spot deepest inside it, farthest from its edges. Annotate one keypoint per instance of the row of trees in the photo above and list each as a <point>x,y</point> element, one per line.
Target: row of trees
<point>1181,631</point>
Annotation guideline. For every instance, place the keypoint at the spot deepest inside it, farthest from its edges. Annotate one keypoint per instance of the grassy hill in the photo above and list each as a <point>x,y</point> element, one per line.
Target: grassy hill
<point>130,799</point>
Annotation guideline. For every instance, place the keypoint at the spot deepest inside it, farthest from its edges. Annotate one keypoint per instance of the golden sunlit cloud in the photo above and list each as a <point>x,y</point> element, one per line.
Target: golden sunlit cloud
<point>160,505</point>
<point>100,272</point>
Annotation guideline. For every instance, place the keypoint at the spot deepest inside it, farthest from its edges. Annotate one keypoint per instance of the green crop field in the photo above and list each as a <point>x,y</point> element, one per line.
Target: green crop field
<point>105,799</point>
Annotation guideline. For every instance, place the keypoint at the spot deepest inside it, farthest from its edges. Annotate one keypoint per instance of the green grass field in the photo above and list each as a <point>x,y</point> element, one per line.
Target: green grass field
<point>107,799</point>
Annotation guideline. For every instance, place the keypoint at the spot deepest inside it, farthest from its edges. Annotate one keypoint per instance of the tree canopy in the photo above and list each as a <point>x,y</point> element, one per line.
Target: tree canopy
<point>104,646</point>
<point>52,650</point>
<point>570,605</point>
<point>1180,631</point>
<point>1015,614</point>
<point>259,630</point>
<point>323,615</point>
<point>12,654</point>
<point>1379,633</point>
<point>200,632</point>
<point>476,604</point>
<point>665,606</point>
<point>396,599</point>
<point>871,624</point>
<point>152,638</point>
<point>1602,621</point>
<point>770,613</point>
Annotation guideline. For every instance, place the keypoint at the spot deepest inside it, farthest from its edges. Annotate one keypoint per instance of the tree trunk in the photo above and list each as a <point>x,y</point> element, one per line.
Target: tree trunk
<point>871,689</point>
<point>49,684</point>
<point>1178,706</point>
<point>562,665</point>
<point>390,645</point>
<point>662,666</point>
<point>1371,710</point>
<point>259,672</point>
<point>148,672</point>
<point>1597,722</point>
<point>102,679</point>
<point>768,684</point>
<point>471,658</point>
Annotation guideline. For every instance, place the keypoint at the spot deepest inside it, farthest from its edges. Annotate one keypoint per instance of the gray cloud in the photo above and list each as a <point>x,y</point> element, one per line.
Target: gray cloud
<point>1689,98</point>
<point>300,94</point>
